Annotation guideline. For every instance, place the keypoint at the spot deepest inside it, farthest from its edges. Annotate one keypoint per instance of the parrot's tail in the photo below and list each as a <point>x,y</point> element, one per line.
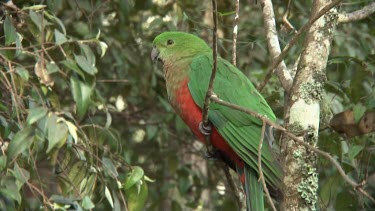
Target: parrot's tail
<point>253,189</point>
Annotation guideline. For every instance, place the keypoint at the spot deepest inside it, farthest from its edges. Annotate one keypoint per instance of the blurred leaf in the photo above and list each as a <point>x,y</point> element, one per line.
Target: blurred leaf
<point>23,73</point>
<point>103,48</point>
<point>109,167</point>
<point>85,65</point>
<point>87,52</point>
<point>59,37</point>
<point>108,196</point>
<point>87,204</point>
<point>72,131</point>
<point>21,174</point>
<point>20,142</point>
<point>358,111</point>
<point>3,162</point>
<point>344,147</point>
<point>354,150</point>
<point>56,19</point>
<point>135,176</point>
<point>9,32</point>
<point>81,94</point>
<point>345,201</point>
<point>36,18</point>
<point>11,190</point>
<point>57,133</point>
<point>328,190</point>
<point>36,114</point>
<point>52,67</point>
<point>151,131</point>
<point>72,65</point>
<point>137,196</point>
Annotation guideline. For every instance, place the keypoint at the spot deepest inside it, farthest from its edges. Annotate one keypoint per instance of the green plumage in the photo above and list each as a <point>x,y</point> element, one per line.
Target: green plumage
<point>240,130</point>
<point>185,55</point>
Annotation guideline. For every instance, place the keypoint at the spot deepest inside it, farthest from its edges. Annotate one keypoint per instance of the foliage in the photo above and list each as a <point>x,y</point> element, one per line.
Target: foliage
<point>81,102</point>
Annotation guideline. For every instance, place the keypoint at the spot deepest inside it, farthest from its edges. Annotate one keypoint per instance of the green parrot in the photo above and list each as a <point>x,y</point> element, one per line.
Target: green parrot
<point>188,62</point>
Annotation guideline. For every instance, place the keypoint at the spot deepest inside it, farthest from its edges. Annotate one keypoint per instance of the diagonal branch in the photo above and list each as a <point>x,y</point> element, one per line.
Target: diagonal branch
<point>273,44</point>
<point>261,176</point>
<point>286,49</point>
<point>326,155</point>
<point>357,15</point>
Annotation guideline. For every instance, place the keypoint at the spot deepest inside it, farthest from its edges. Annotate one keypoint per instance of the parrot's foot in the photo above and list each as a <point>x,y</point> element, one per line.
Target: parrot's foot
<point>212,154</point>
<point>205,130</point>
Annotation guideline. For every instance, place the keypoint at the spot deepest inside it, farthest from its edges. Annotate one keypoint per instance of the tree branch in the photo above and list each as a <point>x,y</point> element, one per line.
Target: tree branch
<point>357,15</point>
<point>235,29</point>
<point>283,53</point>
<point>326,155</point>
<point>274,45</point>
<point>214,68</point>
<point>261,176</point>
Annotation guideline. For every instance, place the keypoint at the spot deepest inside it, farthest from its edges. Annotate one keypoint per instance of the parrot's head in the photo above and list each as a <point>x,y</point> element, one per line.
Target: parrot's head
<point>173,46</point>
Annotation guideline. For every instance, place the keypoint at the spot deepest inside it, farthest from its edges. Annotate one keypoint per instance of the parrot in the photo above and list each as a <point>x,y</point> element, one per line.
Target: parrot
<point>187,66</point>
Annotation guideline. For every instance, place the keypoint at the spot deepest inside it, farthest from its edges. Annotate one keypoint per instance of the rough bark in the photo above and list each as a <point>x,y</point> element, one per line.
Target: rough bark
<point>301,178</point>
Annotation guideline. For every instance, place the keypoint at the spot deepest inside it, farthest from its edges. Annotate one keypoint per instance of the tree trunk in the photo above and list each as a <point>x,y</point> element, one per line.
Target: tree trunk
<point>301,178</point>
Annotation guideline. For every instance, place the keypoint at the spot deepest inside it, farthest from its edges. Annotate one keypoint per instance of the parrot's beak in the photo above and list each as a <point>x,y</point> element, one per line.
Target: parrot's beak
<point>155,54</point>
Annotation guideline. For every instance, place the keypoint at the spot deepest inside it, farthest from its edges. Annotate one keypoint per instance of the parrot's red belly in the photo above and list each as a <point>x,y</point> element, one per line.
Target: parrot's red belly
<point>192,116</point>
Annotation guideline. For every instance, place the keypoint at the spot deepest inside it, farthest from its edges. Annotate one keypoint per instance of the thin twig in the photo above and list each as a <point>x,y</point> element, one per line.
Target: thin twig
<point>273,44</point>
<point>286,49</point>
<point>261,176</point>
<point>232,185</point>
<point>113,81</point>
<point>357,15</point>
<point>326,155</point>
<point>235,30</point>
<point>214,67</point>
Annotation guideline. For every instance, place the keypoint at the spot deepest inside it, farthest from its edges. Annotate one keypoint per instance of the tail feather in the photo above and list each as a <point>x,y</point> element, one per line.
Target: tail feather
<point>254,190</point>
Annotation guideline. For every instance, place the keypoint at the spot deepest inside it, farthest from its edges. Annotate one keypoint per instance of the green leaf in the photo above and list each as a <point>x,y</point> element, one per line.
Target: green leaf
<point>3,162</point>
<point>72,65</point>
<point>358,111</point>
<point>108,196</point>
<point>328,190</point>
<point>56,20</point>
<point>85,65</point>
<point>137,196</point>
<point>36,18</point>
<point>23,73</point>
<point>354,151</point>
<point>11,190</point>
<point>52,67</point>
<point>81,94</point>
<point>21,174</point>
<point>57,132</point>
<point>109,167</point>
<point>72,131</point>
<point>19,39</point>
<point>9,32</point>
<point>59,37</point>
<point>36,114</point>
<point>86,50</point>
<point>87,204</point>
<point>20,142</point>
<point>135,176</point>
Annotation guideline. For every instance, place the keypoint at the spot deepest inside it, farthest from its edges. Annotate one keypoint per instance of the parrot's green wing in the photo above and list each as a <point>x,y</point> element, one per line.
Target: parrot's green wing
<point>240,130</point>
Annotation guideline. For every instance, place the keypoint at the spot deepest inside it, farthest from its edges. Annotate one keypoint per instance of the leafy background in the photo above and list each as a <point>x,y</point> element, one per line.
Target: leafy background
<point>85,122</point>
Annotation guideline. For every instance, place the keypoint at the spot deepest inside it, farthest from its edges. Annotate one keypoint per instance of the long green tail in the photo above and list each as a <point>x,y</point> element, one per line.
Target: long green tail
<point>253,190</point>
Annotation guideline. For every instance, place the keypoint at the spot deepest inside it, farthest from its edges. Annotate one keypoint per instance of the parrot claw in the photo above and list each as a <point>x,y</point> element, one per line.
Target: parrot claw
<point>211,154</point>
<point>205,130</point>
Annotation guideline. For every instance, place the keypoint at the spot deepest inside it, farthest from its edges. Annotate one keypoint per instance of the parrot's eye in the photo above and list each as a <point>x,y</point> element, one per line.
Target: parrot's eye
<point>170,42</point>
